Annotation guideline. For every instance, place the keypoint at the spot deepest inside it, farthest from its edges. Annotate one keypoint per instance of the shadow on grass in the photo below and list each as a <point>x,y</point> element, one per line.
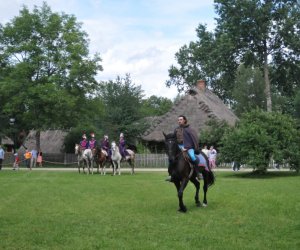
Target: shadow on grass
<point>260,175</point>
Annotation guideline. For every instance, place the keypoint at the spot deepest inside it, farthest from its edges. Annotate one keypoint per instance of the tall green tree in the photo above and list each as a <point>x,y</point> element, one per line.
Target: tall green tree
<point>211,57</point>
<point>261,136</point>
<point>155,106</point>
<point>46,70</point>
<point>262,32</point>
<point>248,91</point>
<point>122,101</point>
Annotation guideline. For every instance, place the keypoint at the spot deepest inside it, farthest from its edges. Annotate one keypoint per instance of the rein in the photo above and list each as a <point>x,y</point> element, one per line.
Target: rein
<point>186,158</point>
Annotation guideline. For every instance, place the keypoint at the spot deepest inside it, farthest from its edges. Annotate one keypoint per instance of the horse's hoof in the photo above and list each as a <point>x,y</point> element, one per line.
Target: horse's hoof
<point>198,204</point>
<point>182,210</point>
<point>204,205</point>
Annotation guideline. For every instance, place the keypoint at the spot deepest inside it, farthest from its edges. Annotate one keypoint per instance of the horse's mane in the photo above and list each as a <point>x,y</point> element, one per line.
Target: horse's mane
<point>170,136</point>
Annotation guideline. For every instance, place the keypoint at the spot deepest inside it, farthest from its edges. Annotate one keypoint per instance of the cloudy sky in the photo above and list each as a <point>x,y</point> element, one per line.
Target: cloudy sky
<point>139,37</point>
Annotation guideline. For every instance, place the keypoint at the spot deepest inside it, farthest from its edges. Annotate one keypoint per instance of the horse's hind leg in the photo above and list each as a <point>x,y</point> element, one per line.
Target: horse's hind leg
<point>197,185</point>
<point>205,187</point>
<point>132,166</point>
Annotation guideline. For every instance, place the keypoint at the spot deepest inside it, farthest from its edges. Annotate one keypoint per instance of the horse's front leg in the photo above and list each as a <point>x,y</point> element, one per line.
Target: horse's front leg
<point>98,167</point>
<point>114,168</point>
<point>180,188</point>
<point>92,166</point>
<point>104,168</point>
<point>119,167</point>
<point>197,185</point>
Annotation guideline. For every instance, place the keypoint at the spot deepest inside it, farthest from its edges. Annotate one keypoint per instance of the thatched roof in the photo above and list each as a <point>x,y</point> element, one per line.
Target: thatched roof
<point>51,141</point>
<point>7,141</point>
<point>199,106</point>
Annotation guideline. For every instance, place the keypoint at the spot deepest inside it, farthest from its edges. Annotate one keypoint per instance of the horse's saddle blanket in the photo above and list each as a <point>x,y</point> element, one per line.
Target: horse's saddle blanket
<point>202,161</point>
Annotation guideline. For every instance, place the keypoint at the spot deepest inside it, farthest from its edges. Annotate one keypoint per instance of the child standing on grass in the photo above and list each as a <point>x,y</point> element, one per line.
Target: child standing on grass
<point>40,159</point>
<point>16,162</point>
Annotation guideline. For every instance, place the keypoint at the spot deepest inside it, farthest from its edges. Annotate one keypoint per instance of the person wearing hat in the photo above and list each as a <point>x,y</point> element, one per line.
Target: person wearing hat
<point>105,146</point>
<point>122,146</point>
<point>92,142</point>
<point>84,144</point>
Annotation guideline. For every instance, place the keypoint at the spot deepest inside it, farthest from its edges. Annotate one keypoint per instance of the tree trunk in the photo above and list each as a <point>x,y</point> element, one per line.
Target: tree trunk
<point>38,140</point>
<point>267,83</point>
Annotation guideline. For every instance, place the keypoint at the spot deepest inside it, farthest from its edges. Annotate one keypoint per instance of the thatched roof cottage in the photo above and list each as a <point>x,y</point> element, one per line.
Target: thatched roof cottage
<point>52,141</point>
<point>199,105</point>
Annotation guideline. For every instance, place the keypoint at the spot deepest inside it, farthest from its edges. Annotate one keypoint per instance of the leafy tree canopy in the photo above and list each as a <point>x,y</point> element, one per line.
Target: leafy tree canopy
<point>155,106</point>
<point>260,34</point>
<point>122,101</point>
<point>261,136</point>
<point>46,71</point>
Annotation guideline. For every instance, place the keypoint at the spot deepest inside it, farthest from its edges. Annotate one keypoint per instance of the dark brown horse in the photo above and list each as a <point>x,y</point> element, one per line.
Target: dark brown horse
<point>101,159</point>
<point>182,172</point>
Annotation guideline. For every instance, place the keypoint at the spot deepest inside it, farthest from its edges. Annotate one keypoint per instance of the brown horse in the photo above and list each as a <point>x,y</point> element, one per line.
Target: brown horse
<point>182,172</point>
<point>101,159</point>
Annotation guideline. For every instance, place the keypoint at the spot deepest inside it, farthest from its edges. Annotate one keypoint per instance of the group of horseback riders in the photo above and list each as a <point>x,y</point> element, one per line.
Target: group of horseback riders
<point>104,144</point>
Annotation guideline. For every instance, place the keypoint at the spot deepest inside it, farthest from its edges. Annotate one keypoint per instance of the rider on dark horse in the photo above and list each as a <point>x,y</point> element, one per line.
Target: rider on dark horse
<point>187,140</point>
<point>122,147</point>
<point>105,146</point>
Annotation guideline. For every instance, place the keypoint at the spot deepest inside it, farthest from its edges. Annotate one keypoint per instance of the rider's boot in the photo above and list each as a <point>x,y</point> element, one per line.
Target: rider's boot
<point>197,168</point>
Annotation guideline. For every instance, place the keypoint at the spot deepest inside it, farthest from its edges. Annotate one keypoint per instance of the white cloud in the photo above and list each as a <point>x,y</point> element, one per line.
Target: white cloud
<point>135,37</point>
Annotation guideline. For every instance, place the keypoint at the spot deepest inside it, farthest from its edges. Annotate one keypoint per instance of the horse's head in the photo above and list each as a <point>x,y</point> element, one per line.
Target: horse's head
<point>113,145</point>
<point>76,149</point>
<point>171,146</point>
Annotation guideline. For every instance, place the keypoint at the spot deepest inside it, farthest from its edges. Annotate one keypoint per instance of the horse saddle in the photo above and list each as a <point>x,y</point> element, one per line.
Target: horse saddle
<point>202,161</point>
<point>104,152</point>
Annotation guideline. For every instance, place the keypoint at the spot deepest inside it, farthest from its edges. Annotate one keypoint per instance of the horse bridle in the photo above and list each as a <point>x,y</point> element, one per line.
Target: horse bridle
<point>180,151</point>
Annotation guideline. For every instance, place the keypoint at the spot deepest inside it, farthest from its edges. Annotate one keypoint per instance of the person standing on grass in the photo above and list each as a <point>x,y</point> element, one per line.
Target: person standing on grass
<point>27,156</point>
<point>16,162</point>
<point>205,150</point>
<point>212,157</point>
<point>39,159</point>
<point>33,158</point>
<point>2,153</point>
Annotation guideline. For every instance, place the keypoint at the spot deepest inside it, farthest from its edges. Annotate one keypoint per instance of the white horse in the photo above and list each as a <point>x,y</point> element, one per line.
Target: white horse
<point>116,158</point>
<point>85,158</point>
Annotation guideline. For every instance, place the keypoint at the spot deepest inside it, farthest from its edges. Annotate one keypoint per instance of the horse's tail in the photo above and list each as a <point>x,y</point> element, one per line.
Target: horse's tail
<point>210,178</point>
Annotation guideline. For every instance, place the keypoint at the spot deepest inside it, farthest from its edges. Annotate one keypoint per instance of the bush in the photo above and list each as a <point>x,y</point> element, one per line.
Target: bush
<point>261,136</point>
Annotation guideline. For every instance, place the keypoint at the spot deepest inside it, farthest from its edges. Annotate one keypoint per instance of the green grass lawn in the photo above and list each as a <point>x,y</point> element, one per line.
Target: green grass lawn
<point>65,210</point>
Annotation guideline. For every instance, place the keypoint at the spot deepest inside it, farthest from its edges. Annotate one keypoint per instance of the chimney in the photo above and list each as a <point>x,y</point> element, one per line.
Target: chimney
<point>201,85</point>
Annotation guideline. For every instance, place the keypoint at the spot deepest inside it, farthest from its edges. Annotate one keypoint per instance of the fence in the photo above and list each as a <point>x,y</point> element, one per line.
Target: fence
<point>141,161</point>
<point>70,160</point>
